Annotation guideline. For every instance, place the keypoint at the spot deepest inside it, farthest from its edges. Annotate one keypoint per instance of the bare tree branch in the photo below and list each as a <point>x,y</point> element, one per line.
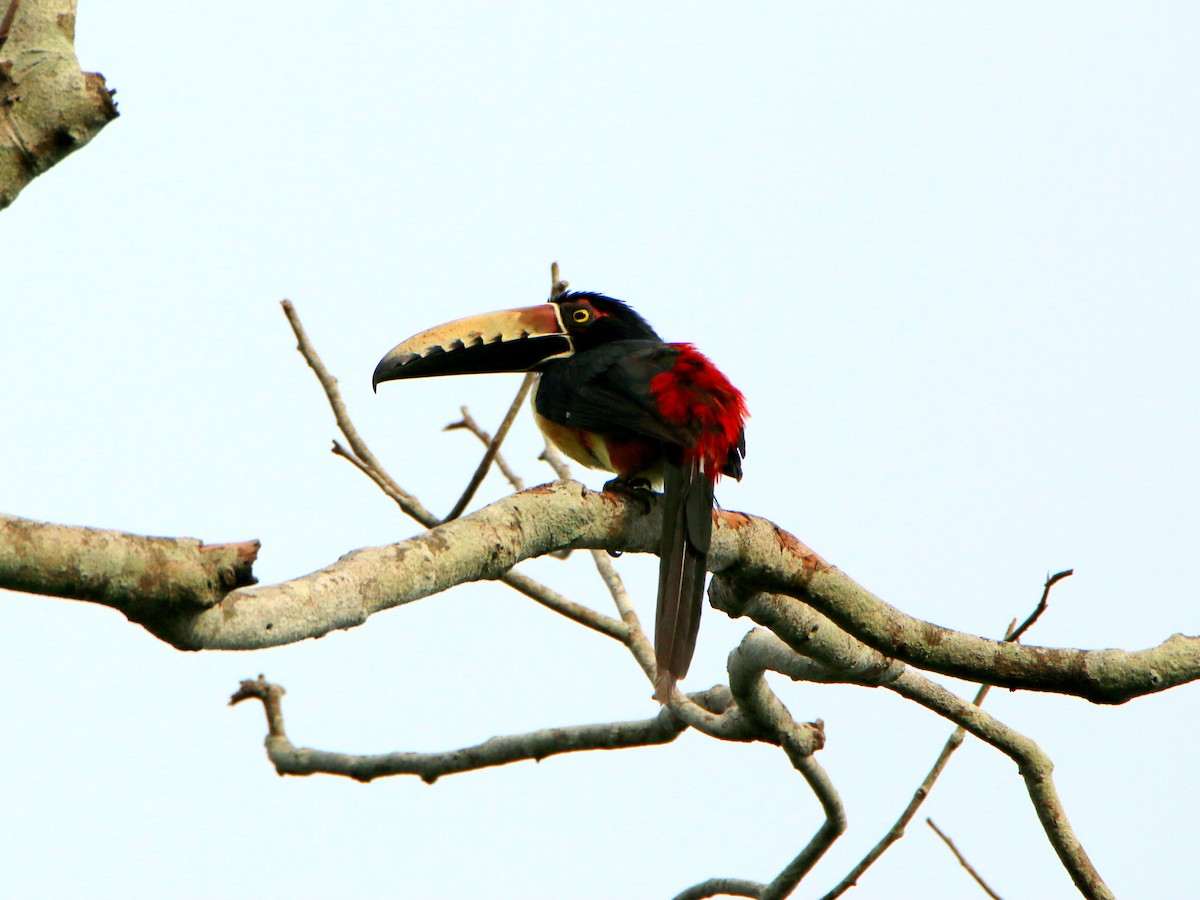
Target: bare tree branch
<point>1015,634</point>
<point>558,287</point>
<point>789,568</point>
<point>809,633</point>
<point>831,829</point>
<point>758,652</point>
<point>747,665</point>
<point>1035,768</point>
<point>151,580</point>
<point>468,423</point>
<point>49,107</point>
<point>639,643</point>
<point>963,861</point>
<point>410,504</point>
<point>721,887</point>
<point>498,751</point>
<point>493,448</point>
<point>488,543</point>
<point>952,744</point>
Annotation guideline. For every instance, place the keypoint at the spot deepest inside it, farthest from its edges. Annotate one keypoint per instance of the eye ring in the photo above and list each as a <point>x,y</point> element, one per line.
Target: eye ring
<point>580,316</point>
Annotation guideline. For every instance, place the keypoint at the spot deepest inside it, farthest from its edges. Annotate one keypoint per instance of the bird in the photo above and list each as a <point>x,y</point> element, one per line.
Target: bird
<point>613,395</point>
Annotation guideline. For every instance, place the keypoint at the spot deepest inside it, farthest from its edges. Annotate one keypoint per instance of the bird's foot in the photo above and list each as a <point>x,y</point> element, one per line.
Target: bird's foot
<point>635,488</point>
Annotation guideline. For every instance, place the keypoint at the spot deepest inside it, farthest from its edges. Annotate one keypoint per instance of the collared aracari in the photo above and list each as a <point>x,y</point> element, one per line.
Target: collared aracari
<point>613,395</point>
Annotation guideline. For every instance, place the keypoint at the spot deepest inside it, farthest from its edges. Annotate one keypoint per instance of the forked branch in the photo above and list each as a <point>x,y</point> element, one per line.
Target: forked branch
<point>818,639</point>
<point>952,744</point>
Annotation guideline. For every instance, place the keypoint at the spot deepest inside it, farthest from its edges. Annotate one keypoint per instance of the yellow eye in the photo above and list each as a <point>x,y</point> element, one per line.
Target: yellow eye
<point>580,315</point>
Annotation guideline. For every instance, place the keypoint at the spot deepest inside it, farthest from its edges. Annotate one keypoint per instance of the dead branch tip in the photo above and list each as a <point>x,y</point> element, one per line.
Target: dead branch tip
<point>271,696</point>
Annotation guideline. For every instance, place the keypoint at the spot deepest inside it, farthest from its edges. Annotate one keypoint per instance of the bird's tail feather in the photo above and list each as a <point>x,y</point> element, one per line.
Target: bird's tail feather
<point>683,561</point>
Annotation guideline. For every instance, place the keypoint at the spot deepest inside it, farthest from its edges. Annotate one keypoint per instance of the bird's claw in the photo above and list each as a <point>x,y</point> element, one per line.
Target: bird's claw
<point>635,488</point>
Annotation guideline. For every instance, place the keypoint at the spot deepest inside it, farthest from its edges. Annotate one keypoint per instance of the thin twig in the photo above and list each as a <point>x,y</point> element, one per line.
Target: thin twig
<point>963,861</point>
<point>831,829</point>
<point>1013,633</point>
<point>493,448</point>
<point>759,652</point>
<point>1035,767</point>
<point>639,643</point>
<point>271,696</point>
<point>551,457</point>
<point>468,423</point>
<point>289,759</point>
<point>770,719</point>
<point>1051,581</point>
<point>410,504</point>
<point>811,634</point>
<point>576,612</point>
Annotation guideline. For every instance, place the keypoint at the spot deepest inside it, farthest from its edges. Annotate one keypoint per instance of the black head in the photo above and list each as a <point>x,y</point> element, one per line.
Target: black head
<point>594,319</point>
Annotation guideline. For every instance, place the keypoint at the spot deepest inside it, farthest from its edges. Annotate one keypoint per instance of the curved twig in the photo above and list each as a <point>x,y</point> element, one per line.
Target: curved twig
<point>759,652</point>
<point>289,759</point>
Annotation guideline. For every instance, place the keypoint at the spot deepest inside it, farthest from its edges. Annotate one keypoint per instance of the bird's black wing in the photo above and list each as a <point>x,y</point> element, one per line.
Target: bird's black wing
<point>607,391</point>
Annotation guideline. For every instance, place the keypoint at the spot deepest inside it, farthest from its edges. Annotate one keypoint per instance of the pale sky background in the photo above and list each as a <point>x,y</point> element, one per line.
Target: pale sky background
<point>948,251</point>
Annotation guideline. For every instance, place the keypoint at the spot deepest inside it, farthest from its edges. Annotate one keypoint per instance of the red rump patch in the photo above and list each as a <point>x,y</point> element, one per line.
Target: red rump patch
<point>694,395</point>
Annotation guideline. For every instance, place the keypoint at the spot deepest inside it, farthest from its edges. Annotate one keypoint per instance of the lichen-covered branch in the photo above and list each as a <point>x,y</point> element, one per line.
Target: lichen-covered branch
<point>49,107</point>
<point>765,562</point>
<point>152,580</point>
<point>747,552</point>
